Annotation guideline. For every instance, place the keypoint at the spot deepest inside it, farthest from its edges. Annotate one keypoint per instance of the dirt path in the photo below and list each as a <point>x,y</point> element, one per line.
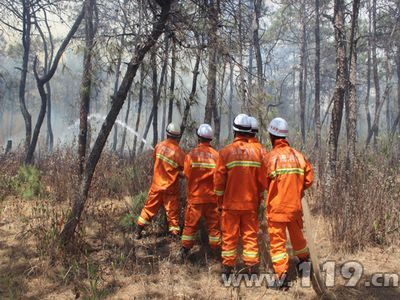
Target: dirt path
<point>114,267</point>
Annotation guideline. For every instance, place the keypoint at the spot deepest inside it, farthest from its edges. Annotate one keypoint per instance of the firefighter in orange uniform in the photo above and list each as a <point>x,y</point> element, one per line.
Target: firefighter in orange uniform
<point>287,174</point>
<point>236,184</point>
<point>199,169</point>
<point>168,163</point>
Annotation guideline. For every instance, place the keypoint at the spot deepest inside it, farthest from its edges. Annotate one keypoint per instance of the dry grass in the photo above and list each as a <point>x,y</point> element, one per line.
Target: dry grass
<point>105,262</point>
<point>364,209</point>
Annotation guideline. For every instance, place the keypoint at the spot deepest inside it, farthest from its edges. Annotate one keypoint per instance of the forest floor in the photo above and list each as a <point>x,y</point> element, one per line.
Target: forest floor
<point>112,265</point>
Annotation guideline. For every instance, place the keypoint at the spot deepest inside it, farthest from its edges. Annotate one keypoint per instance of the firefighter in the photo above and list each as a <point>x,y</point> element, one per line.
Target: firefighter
<point>288,174</point>
<point>199,169</point>
<point>236,184</point>
<point>168,163</point>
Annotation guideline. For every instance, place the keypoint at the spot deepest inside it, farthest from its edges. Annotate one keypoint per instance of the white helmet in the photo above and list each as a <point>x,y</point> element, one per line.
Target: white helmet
<point>205,131</point>
<point>242,123</point>
<point>173,130</point>
<point>278,127</point>
<point>254,125</point>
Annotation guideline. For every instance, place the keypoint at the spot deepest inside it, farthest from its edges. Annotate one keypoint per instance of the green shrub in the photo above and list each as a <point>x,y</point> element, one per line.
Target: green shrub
<point>135,207</point>
<point>27,182</point>
<point>128,221</point>
<point>136,204</point>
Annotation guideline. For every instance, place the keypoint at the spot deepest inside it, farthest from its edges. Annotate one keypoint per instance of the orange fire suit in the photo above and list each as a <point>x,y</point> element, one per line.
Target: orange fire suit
<point>254,140</point>
<point>168,161</point>
<point>237,182</point>
<point>199,169</point>
<point>288,174</point>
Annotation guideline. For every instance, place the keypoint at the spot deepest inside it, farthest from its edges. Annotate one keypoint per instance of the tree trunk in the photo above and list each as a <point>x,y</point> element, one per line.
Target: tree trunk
<point>163,87</point>
<point>142,78</point>
<point>375,73</point>
<point>41,82</point>
<point>123,139</point>
<point>251,52</point>
<point>164,112</point>
<point>86,85</point>
<point>116,84</point>
<point>48,59</point>
<point>379,103</point>
<point>257,47</point>
<point>153,62</point>
<point>388,83</point>
<point>303,71</point>
<point>212,62</point>
<point>317,67</point>
<point>338,100</point>
<point>366,102</point>
<point>396,124</point>
<point>80,200</point>
<point>26,43</point>
<point>50,135</point>
<point>242,95</point>
<point>172,83</point>
<point>218,109</point>
<point>260,100</point>
<point>147,129</point>
<point>351,112</point>
<point>157,89</point>
<point>375,124</point>
<point>192,95</point>
<point>230,108</point>
<point>317,103</point>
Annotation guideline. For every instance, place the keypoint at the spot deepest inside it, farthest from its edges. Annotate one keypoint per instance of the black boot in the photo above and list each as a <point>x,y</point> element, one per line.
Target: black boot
<point>282,284</point>
<point>304,267</point>
<point>174,236</point>
<point>215,253</point>
<point>138,232</point>
<point>183,254</point>
<point>254,270</point>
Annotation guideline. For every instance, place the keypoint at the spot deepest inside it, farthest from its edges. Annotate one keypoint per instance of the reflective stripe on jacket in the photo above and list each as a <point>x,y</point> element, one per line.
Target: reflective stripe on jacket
<point>168,161</point>
<point>286,175</point>
<point>199,169</point>
<point>237,178</point>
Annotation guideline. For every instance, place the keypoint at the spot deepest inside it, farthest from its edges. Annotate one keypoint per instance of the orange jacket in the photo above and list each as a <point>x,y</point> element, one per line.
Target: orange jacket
<point>286,175</point>
<point>168,161</point>
<point>254,140</point>
<point>256,143</point>
<point>199,170</point>
<point>238,175</point>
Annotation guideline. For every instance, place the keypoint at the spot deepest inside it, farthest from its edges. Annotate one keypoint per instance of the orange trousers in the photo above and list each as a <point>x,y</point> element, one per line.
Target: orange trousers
<point>235,224</point>
<point>277,237</point>
<point>153,204</point>
<point>209,211</point>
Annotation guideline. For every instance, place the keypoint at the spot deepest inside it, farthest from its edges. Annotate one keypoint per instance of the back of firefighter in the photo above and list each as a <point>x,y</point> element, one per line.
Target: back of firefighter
<point>164,190</point>
<point>288,174</point>
<point>236,182</point>
<point>199,169</point>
